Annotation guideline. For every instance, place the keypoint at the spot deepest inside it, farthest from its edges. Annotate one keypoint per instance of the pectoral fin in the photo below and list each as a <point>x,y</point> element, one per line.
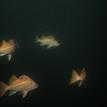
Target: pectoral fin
<point>80,83</point>
<point>24,93</point>
<point>42,44</point>
<point>50,46</point>
<point>11,93</point>
<point>9,57</point>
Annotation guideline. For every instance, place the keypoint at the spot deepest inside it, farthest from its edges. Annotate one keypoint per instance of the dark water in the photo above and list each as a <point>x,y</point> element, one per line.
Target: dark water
<point>78,25</point>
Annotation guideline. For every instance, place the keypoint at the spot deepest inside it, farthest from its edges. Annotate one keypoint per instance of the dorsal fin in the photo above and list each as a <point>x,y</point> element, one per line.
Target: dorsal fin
<point>75,77</point>
<point>13,78</point>
<point>4,41</point>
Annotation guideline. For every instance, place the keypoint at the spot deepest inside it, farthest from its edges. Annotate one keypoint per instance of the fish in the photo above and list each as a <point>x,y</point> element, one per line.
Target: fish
<point>7,48</point>
<point>78,77</point>
<point>47,40</point>
<point>22,84</point>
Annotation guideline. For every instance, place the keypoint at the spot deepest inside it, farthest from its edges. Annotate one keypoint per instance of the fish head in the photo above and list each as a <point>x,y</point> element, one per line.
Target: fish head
<point>14,43</point>
<point>34,85</point>
<point>83,74</point>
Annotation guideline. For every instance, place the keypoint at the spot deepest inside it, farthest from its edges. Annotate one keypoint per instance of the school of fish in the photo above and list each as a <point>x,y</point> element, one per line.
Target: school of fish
<point>24,84</point>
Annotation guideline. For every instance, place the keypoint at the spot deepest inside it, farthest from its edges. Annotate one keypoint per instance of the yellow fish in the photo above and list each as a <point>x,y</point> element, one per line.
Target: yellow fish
<point>78,77</point>
<point>47,40</point>
<point>23,84</point>
<point>7,48</point>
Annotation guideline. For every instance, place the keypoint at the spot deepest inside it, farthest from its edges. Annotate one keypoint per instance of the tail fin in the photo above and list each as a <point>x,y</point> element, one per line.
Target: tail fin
<point>3,88</point>
<point>75,77</point>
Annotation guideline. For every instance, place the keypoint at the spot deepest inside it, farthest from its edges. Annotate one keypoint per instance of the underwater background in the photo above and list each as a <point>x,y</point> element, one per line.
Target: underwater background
<point>78,26</point>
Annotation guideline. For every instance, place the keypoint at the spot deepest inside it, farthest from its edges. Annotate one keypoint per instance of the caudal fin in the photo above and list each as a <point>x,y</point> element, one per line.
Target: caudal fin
<point>75,77</point>
<point>3,88</point>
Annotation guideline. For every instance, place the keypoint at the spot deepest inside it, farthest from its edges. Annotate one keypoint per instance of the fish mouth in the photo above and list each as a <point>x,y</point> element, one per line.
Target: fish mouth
<point>36,86</point>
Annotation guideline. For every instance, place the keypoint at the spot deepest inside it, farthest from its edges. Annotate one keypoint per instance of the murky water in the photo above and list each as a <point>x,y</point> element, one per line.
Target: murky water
<point>77,26</point>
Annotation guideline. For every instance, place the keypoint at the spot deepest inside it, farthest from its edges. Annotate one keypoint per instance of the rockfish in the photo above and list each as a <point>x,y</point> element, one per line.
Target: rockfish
<point>23,84</point>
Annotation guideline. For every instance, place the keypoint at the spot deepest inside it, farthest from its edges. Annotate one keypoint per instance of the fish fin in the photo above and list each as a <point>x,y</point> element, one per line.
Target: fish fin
<point>3,42</point>
<point>24,93</point>
<point>13,78</point>
<point>14,43</point>
<point>83,74</point>
<point>9,57</point>
<point>49,46</point>
<point>11,93</point>
<point>42,44</point>
<point>3,88</point>
<point>80,83</point>
<point>75,77</point>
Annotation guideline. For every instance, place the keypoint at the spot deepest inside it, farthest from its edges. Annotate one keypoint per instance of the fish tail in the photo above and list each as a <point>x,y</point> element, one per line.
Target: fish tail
<point>14,43</point>
<point>3,88</point>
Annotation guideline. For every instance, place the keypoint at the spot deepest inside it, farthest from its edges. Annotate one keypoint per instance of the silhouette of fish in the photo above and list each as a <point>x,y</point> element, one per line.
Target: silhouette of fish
<point>7,48</point>
<point>78,77</point>
<point>48,41</point>
<point>23,84</point>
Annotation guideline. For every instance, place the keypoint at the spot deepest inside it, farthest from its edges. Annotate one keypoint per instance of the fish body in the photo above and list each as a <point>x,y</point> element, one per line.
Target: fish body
<point>23,84</point>
<point>48,41</point>
<point>7,48</point>
<point>78,77</point>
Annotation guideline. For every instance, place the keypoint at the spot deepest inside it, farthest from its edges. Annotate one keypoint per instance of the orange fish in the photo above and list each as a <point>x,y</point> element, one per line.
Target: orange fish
<point>23,84</point>
<point>7,48</point>
<point>78,77</point>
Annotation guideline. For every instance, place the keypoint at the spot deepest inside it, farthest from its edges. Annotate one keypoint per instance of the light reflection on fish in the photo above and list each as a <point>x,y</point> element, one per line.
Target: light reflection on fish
<point>47,40</point>
<point>23,84</point>
<point>7,48</point>
<point>76,77</point>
